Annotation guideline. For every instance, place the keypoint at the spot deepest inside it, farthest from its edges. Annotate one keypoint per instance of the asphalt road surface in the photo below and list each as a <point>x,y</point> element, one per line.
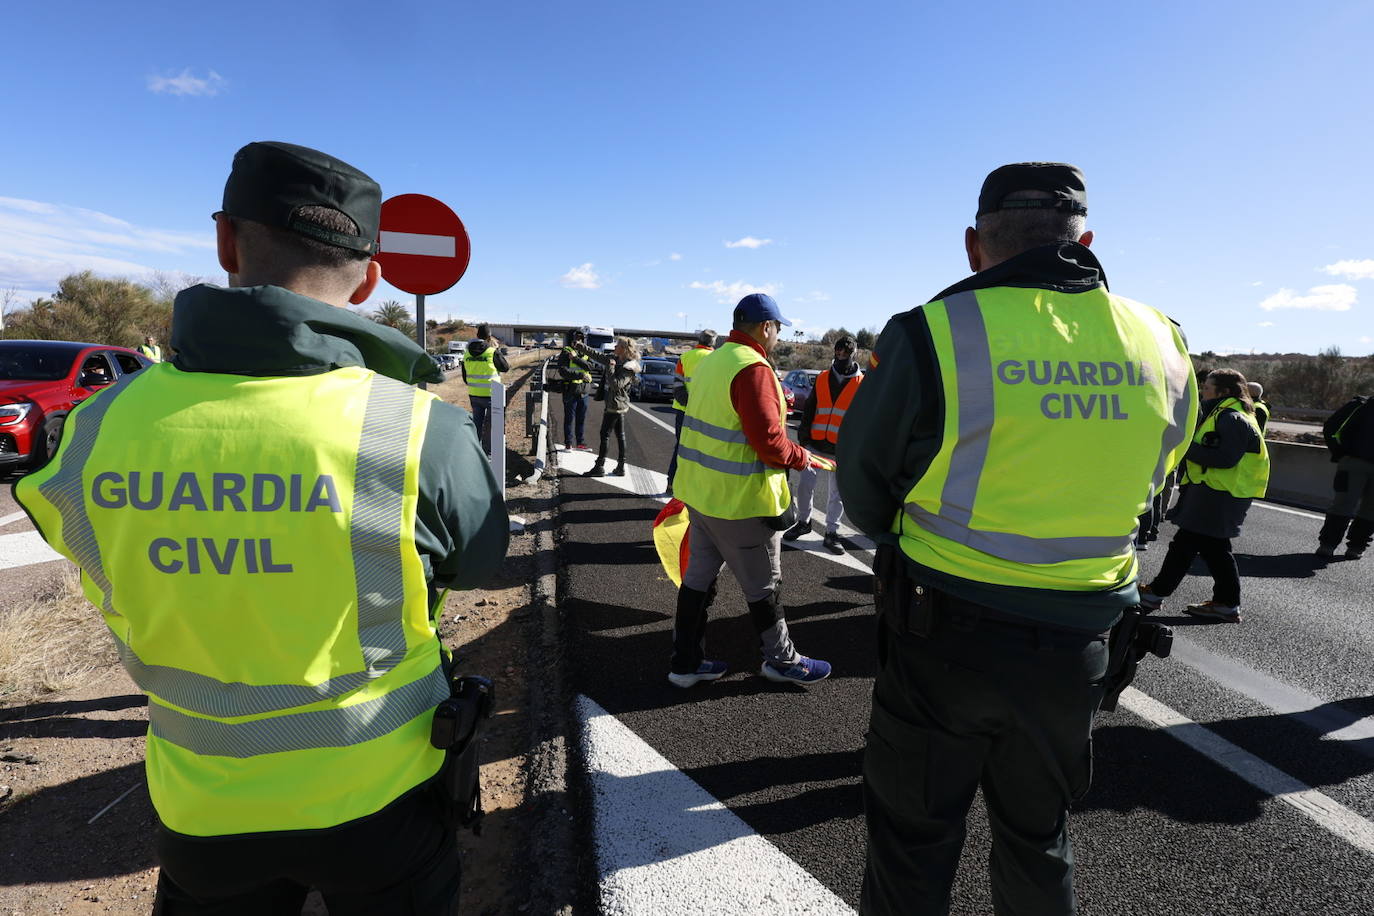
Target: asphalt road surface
<point>1234,779</point>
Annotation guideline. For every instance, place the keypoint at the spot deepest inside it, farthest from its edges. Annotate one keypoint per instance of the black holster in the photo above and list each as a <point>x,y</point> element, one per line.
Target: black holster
<point>458,723</point>
<point>1132,639</point>
<point>901,603</point>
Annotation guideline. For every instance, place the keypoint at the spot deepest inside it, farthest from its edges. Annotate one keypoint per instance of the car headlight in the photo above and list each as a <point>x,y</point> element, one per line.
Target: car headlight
<point>14,413</point>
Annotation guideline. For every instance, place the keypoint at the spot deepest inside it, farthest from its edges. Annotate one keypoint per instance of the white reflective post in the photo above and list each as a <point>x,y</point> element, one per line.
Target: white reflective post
<point>498,432</point>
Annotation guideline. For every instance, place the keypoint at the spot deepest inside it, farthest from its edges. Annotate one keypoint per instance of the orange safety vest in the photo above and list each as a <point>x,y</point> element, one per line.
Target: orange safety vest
<point>830,412</point>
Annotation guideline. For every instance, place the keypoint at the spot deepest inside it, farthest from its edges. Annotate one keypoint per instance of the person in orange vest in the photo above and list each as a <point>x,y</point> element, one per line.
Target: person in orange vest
<point>819,431</point>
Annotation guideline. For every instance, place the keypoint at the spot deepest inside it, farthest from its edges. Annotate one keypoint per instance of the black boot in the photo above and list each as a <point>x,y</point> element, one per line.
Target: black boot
<point>619,469</point>
<point>689,628</point>
<point>1357,541</point>
<point>598,469</point>
<point>1329,538</point>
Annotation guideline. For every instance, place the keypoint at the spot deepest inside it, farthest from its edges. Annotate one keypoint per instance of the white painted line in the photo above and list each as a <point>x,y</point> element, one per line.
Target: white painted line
<point>655,418</point>
<point>1274,694</point>
<point>1321,809</point>
<point>25,549</point>
<point>11,518</point>
<point>1265,505</point>
<point>434,246</point>
<point>665,844</point>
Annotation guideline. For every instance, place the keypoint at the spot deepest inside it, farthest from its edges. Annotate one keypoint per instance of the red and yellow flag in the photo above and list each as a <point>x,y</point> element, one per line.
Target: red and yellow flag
<point>671,539</point>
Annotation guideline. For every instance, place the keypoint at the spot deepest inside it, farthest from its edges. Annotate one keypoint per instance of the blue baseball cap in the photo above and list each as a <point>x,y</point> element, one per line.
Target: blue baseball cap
<point>757,307</point>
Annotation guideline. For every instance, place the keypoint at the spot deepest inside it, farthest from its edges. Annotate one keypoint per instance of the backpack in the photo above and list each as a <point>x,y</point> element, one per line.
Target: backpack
<point>1350,430</point>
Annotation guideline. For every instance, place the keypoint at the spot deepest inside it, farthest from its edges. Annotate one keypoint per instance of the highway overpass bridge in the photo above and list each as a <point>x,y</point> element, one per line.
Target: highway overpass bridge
<point>525,334</point>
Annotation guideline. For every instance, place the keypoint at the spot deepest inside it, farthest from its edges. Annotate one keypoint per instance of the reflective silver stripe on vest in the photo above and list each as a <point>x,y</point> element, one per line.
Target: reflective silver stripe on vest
<point>973,368</point>
<point>712,431</point>
<point>1177,369</point>
<point>1021,548</point>
<point>740,468</point>
<point>375,539</point>
<point>339,727</point>
<point>67,493</point>
<point>973,372</point>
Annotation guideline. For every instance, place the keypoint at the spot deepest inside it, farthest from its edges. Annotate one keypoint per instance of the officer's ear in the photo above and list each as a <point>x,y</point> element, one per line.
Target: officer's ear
<point>365,288</point>
<point>1086,239</point>
<point>226,244</point>
<point>971,247</point>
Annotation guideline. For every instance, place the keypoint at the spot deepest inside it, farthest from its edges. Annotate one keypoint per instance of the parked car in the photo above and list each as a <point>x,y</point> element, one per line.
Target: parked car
<point>41,381</point>
<point>801,381</point>
<point>655,381</point>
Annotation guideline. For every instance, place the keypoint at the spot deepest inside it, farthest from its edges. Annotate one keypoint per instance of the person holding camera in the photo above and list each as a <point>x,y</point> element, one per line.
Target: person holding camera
<point>999,451</point>
<point>1349,435</point>
<point>1225,469</point>
<point>482,362</point>
<point>616,381</point>
<point>273,582</point>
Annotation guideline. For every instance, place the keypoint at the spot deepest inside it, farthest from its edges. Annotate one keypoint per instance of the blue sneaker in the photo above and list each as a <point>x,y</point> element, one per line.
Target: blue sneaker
<point>708,670</point>
<point>805,671</point>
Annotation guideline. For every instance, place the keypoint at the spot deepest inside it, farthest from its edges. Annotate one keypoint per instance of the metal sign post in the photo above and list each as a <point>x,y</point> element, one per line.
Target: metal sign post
<point>420,327</point>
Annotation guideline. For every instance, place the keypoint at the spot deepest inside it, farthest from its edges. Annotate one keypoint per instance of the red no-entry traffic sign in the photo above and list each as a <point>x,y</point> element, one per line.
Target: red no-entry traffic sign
<point>423,247</point>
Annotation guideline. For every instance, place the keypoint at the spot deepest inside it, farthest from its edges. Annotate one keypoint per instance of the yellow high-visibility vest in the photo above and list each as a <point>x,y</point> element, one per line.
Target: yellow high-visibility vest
<point>256,565</point>
<point>1063,413</point>
<point>686,366</point>
<point>1249,477</point>
<point>480,370</point>
<point>718,473</point>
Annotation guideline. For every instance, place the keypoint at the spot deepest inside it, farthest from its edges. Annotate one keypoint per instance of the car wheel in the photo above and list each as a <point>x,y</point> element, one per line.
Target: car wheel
<point>46,446</point>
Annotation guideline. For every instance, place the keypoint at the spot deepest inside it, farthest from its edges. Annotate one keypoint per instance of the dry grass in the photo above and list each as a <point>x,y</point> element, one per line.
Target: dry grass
<point>51,643</point>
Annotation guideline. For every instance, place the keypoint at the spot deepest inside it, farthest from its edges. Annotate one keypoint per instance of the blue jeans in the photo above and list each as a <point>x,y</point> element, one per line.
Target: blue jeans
<point>677,440</point>
<point>574,406</point>
<point>481,418</point>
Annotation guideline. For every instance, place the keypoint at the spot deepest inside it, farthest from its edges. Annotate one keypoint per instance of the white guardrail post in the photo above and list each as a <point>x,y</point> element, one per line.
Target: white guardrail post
<point>498,433</point>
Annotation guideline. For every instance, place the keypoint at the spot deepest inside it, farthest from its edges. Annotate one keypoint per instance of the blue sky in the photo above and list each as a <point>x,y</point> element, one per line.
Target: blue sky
<point>629,164</point>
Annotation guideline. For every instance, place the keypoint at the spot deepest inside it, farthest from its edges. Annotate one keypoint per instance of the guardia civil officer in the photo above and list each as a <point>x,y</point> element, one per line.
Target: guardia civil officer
<point>1000,451</point>
<point>266,523</point>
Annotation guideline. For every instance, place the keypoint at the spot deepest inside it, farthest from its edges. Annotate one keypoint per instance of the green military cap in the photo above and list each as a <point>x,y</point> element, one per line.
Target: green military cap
<point>1063,182</point>
<point>270,182</point>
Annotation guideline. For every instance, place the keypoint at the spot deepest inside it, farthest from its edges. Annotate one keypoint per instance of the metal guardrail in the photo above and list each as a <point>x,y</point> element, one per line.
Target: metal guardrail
<point>539,433</point>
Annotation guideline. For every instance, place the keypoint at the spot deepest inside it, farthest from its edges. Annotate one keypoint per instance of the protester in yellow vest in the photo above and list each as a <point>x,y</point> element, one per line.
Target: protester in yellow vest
<point>732,474</point>
<point>821,416</point>
<point>1000,450</point>
<point>482,362</point>
<point>150,349</point>
<point>682,382</point>
<point>266,523</point>
<point>1226,468</point>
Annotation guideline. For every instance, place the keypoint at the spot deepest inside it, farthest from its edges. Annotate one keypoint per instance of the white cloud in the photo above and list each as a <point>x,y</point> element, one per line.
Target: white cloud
<point>682,314</point>
<point>584,277</point>
<point>42,242</point>
<point>749,242</point>
<point>1351,270</point>
<point>675,256</point>
<point>187,83</point>
<point>1366,339</point>
<point>1266,324</point>
<point>814,296</point>
<point>733,292</point>
<point>1257,283</point>
<point>1337,297</point>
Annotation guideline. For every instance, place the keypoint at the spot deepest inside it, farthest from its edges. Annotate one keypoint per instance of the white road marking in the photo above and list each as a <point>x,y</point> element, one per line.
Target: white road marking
<point>654,417</point>
<point>434,246</point>
<point>1274,694</point>
<point>1265,505</point>
<point>11,518</point>
<point>25,549</point>
<point>1323,810</point>
<point>662,841</point>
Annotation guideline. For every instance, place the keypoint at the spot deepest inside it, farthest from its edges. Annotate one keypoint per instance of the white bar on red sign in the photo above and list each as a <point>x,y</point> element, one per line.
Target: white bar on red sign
<point>434,246</point>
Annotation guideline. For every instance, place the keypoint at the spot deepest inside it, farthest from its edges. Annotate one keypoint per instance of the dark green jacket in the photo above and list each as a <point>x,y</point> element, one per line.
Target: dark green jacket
<point>461,527</point>
<point>895,426</point>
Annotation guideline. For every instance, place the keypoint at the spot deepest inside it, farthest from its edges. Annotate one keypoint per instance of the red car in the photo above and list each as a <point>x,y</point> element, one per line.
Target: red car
<point>788,394</point>
<point>41,381</point>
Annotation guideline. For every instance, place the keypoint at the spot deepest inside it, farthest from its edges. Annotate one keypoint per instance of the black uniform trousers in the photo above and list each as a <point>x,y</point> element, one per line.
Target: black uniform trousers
<point>977,701</point>
<point>400,861</point>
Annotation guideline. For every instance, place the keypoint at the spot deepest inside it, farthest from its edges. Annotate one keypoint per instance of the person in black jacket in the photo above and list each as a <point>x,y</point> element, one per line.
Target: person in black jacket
<point>1349,435</point>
